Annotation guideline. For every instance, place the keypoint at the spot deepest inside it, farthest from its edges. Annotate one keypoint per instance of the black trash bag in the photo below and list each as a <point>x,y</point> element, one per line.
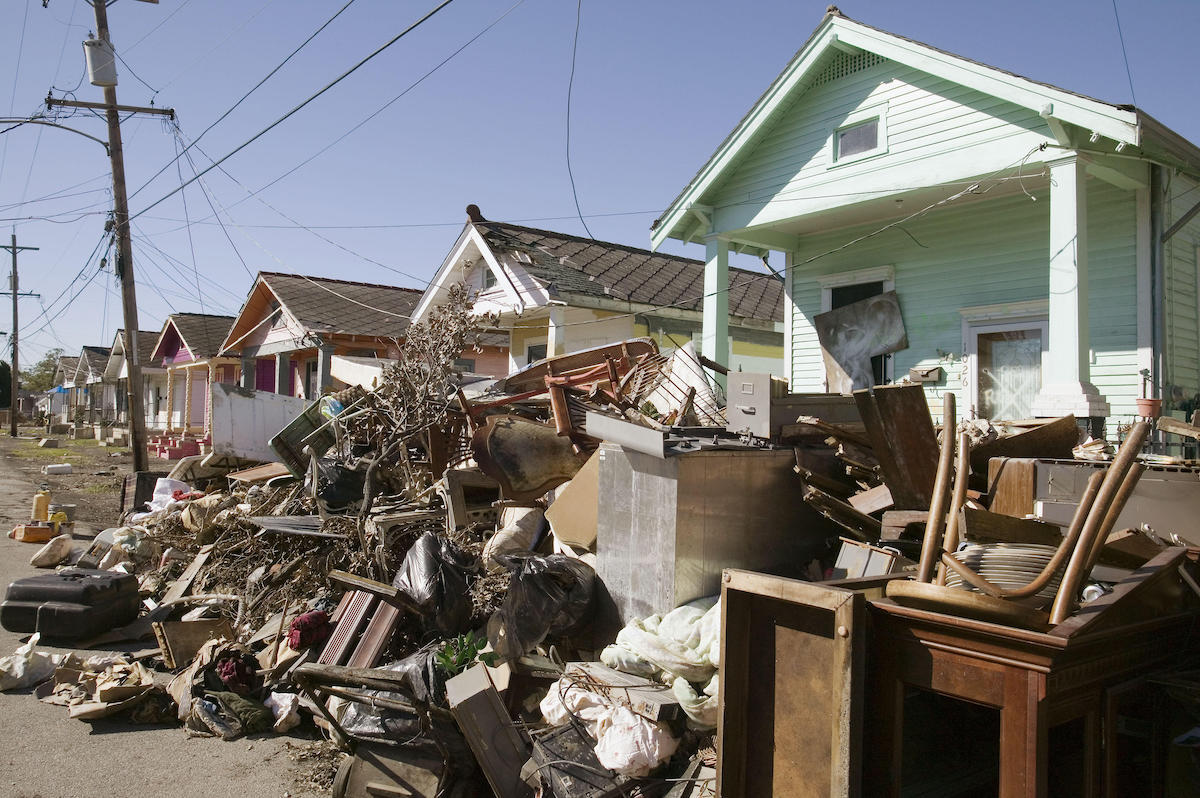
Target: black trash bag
<point>434,576</point>
<point>548,597</point>
<point>339,487</point>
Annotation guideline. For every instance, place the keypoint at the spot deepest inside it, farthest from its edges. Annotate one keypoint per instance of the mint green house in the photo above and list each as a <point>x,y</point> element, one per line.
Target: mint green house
<point>1041,244</point>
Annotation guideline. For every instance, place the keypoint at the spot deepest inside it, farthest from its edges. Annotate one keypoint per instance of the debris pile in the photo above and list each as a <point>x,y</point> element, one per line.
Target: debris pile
<point>516,585</point>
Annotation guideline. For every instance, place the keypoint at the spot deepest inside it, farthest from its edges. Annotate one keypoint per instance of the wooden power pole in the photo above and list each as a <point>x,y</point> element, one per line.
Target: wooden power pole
<point>12,401</point>
<point>137,413</point>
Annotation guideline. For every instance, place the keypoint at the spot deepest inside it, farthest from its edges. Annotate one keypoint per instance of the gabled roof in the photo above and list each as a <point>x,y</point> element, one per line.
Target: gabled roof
<point>324,305</point>
<point>201,333</point>
<point>91,361</point>
<point>568,264</point>
<point>1121,124</point>
<point>66,366</point>
<point>147,339</point>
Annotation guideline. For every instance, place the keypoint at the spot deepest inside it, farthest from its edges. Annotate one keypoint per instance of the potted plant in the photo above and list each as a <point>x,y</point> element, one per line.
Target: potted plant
<point>1147,407</point>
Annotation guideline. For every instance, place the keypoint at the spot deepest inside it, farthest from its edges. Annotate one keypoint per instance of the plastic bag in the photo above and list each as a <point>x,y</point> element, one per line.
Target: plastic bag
<point>518,531</point>
<point>547,597</point>
<point>26,666</point>
<point>422,684</point>
<point>434,576</point>
<point>286,709</point>
<point>629,744</point>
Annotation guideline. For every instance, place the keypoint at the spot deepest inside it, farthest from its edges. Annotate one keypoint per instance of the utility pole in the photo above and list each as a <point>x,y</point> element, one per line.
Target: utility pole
<point>137,413</point>
<point>12,401</point>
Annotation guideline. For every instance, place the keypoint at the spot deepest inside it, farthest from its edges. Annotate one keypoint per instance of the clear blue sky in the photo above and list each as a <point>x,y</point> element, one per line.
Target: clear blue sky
<point>657,86</point>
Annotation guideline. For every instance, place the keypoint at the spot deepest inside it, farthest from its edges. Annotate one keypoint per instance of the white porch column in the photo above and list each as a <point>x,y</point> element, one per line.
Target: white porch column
<point>714,340</point>
<point>283,367</point>
<point>556,333</point>
<point>324,370</point>
<point>1068,388</point>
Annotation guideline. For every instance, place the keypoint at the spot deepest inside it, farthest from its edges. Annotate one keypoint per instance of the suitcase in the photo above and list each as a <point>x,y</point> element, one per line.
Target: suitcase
<point>70,604</point>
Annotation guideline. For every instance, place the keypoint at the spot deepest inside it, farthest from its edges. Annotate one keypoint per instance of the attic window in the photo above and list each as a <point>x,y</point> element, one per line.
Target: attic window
<point>857,139</point>
<point>862,134</point>
<point>489,278</point>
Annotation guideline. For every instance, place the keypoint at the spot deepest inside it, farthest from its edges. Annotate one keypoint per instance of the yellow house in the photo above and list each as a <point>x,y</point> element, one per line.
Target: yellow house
<point>558,293</point>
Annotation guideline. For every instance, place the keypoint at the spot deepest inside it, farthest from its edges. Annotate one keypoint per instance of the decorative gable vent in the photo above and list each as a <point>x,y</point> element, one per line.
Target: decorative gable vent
<point>844,65</point>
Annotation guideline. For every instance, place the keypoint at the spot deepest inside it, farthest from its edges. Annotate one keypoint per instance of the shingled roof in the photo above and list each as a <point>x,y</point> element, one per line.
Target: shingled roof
<point>202,333</point>
<point>147,339</point>
<point>321,304</point>
<point>572,265</point>
<point>67,365</point>
<point>92,359</point>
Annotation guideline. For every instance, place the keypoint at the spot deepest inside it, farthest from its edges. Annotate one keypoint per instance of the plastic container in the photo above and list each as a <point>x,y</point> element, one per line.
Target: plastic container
<point>41,506</point>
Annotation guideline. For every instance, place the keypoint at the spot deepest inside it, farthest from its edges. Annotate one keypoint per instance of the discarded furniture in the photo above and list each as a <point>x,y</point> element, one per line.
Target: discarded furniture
<point>761,405</point>
<point>1166,499</point>
<point>865,697</point>
<point>667,527</point>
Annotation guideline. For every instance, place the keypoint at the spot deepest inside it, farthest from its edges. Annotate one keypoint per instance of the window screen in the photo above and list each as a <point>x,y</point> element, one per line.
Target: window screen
<point>859,138</point>
<point>535,353</point>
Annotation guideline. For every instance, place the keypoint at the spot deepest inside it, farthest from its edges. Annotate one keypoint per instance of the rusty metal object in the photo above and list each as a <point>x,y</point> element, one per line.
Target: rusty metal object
<point>526,457</point>
<point>624,355</point>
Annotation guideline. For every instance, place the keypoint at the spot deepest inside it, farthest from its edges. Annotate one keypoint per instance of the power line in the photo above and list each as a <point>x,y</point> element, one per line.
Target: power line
<point>570,87</point>
<point>208,198</point>
<point>243,98</point>
<point>385,106</point>
<point>191,242</point>
<point>297,108</point>
<point>12,102</point>
<point>165,20</point>
<point>1121,36</point>
<point>189,68</point>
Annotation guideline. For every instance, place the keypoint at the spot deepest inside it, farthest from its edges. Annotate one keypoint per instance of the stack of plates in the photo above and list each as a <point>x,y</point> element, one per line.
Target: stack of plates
<point>1007,565</point>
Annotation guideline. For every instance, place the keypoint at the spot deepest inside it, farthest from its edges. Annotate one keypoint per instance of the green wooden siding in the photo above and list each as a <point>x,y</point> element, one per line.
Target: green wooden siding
<point>926,117</point>
<point>981,253</point>
<point>1183,324</point>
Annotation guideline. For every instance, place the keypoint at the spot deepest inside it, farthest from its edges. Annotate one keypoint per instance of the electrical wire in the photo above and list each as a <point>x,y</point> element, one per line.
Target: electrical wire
<point>243,98</point>
<point>12,102</point>
<point>297,108</point>
<point>413,225</point>
<point>1125,55</point>
<point>83,270</point>
<point>191,242</point>
<point>570,87</point>
<point>164,21</point>
<point>204,56</point>
<point>136,75</point>
<point>385,106</point>
<point>209,198</point>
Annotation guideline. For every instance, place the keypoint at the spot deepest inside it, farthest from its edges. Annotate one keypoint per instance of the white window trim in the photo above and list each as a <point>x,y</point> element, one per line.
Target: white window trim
<point>974,325</point>
<point>856,118</point>
<point>876,274</point>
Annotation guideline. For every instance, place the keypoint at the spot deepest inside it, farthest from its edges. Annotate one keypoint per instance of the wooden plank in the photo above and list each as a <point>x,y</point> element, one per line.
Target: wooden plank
<point>813,427</point>
<point>982,526</point>
<point>345,632</point>
<point>872,500</point>
<point>260,473</point>
<point>1012,485</point>
<point>860,526</point>
<point>1053,440</point>
<point>902,436</point>
<point>1177,427</point>
<point>895,522</point>
<point>495,741</point>
<point>183,585</point>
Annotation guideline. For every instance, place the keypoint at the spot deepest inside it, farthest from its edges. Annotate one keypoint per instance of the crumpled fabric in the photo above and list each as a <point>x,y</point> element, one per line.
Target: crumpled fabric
<point>236,672</point>
<point>684,644</point>
<point>309,629</point>
<point>626,742</point>
<point>252,716</point>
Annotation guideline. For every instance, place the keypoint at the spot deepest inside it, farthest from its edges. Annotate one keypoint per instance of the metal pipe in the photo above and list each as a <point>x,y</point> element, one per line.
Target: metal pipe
<point>961,478</point>
<point>932,542</point>
<point>1110,518</point>
<point>1077,568</point>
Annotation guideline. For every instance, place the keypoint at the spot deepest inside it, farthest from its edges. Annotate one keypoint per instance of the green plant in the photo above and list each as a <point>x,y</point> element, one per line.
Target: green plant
<point>462,652</point>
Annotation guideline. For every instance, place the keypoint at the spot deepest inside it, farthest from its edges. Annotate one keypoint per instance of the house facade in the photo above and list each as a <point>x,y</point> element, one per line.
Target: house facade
<point>59,400</point>
<point>116,381</point>
<point>556,293</point>
<point>291,326</point>
<point>1041,245</point>
<point>188,348</point>
<point>88,385</point>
